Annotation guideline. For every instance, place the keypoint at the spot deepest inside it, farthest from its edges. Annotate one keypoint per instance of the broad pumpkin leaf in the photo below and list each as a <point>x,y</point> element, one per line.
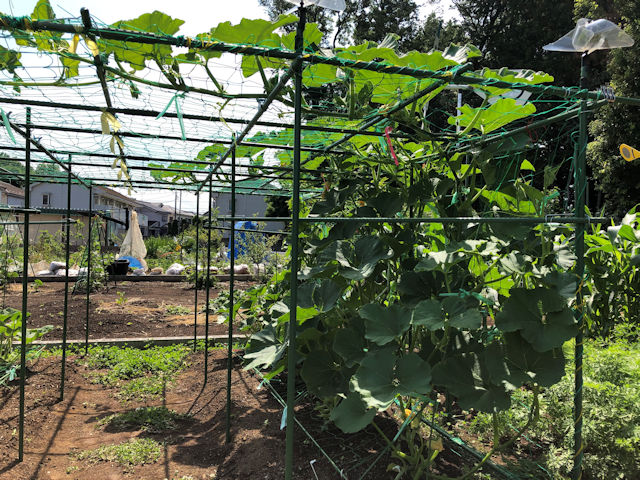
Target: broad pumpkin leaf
<point>136,54</point>
<point>323,374</point>
<point>321,294</point>
<point>461,375</point>
<point>541,315</point>
<point>428,313</point>
<point>352,414</point>
<point>526,365</point>
<point>350,344</point>
<point>502,112</point>
<point>384,324</point>
<point>382,376</point>
<point>367,253</point>
<point>264,349</point>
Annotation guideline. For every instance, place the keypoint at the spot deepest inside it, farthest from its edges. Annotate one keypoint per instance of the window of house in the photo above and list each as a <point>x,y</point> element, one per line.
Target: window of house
<point>96,200</point>
<point>165,218</point>
<point>46,199</point>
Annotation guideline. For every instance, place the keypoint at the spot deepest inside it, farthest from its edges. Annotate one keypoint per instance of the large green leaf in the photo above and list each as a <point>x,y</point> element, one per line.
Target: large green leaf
<point>541,315</point>
<point>528,366</point>
<point>462,311</point>
<point>136,54</point>
<point>321,294</point>
<point>381,376</point>
<point>368,252</point>
<point>323,374</point>
<point>374,379</point>
<point>350,344</point>
<point>500,113</point>
<point>264,349</point>
<point>352,414</point>
<point>384,324</point>
<point>461,375</point>
<point>428,313</point>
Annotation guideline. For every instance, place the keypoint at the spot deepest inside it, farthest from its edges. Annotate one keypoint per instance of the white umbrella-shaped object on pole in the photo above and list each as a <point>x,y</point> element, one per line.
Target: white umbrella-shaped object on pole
<point>337,5</point>
<point>591,35</point>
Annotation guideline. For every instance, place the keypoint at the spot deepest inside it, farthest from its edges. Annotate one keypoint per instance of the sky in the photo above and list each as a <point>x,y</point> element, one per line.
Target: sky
<point>198,16</point>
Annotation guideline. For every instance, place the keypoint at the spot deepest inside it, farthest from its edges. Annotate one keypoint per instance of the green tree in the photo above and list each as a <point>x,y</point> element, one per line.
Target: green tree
<point>615,179</point>
<point>512,33</point>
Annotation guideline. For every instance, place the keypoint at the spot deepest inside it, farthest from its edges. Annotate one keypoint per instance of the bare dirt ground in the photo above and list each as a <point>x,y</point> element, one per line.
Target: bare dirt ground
<point>196,450</point>
<point>128,309</point>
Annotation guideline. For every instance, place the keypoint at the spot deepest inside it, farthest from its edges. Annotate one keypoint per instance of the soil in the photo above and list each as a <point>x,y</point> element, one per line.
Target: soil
<point>128,309</point>
<point>196,450</point>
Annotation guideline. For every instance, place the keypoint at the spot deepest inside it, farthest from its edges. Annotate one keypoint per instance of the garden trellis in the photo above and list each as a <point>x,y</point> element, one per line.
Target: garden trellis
<point>115,105</point>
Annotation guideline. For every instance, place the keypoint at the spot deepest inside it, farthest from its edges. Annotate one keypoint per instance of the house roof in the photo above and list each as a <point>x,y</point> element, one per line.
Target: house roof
<point>165,208</point>
<point>119,195</point>
<point>11,189</point>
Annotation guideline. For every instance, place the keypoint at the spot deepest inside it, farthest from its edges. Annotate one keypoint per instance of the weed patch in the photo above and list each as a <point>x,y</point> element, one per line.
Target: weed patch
<point>135,452</point>
<point>140,374</point>
<point>148,419</point>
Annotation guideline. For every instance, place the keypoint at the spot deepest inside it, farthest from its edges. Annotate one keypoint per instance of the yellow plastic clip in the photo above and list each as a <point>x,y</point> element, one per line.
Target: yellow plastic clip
<point>629,153</point>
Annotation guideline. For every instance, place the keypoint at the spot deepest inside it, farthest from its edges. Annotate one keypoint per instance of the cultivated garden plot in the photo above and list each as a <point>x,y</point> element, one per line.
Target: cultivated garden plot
<point>444,281</point>
<point>140,310</point>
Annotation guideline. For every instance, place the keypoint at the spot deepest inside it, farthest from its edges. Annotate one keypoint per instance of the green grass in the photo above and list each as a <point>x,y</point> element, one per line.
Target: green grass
<point>148,419</point>
<point>134,452</point>
<point>140,374</point>
<point>611,415</point>
<point>177,310</point>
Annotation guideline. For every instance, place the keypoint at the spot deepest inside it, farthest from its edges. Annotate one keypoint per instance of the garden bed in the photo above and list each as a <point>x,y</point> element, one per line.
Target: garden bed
<point>59,435</point>
<point>119,311</point>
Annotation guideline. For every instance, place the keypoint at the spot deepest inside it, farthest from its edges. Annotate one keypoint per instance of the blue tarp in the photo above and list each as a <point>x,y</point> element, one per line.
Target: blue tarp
<point>240,249</point>
<point>133,262</point>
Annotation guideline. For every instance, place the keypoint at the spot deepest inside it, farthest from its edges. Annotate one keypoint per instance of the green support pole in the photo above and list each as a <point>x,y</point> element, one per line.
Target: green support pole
<point>295,212</point>
<point>25,276</point>
<point>207,289</point>
<point>580,173</point>
<point>89,247</point>
<point>232,274</point>
<point>195,296</point>
<point>65,311</point>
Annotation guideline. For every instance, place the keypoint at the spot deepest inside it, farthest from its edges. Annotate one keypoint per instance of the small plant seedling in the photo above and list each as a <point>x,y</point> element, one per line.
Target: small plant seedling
<point>37,283</point>
<point>177,310</point>
<point>121,300</point>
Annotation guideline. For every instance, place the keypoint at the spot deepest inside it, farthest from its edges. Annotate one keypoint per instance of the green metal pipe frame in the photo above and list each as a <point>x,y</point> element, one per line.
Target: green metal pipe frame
<point>195,295</point>
<point>580,169</point>
<point>90,131</point>
<point>559,219</point>
<point>89,253</point>
<point>263,108</point>
<point>25,268</point>
<point>65,310</point>
<point>293,242</point>
<point>43,222</point>
<point>10,23</point>
<point>151,159</point>
<point>232,277</point>
<point>39,146</point>
<point>207,288</point>
<point>145,168</point>
<point>579,217</point>
<point>154,113</point>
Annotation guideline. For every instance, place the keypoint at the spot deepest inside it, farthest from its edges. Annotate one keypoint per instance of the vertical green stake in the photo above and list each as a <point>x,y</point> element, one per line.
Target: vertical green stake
<point>581,185</point>
<point>90,246</point>
<point>25,275</point>
<point>232,266</point>
<point>208,277</point>
<point>66,283</point>
<point>195,297</point>
<point>295,212</point>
